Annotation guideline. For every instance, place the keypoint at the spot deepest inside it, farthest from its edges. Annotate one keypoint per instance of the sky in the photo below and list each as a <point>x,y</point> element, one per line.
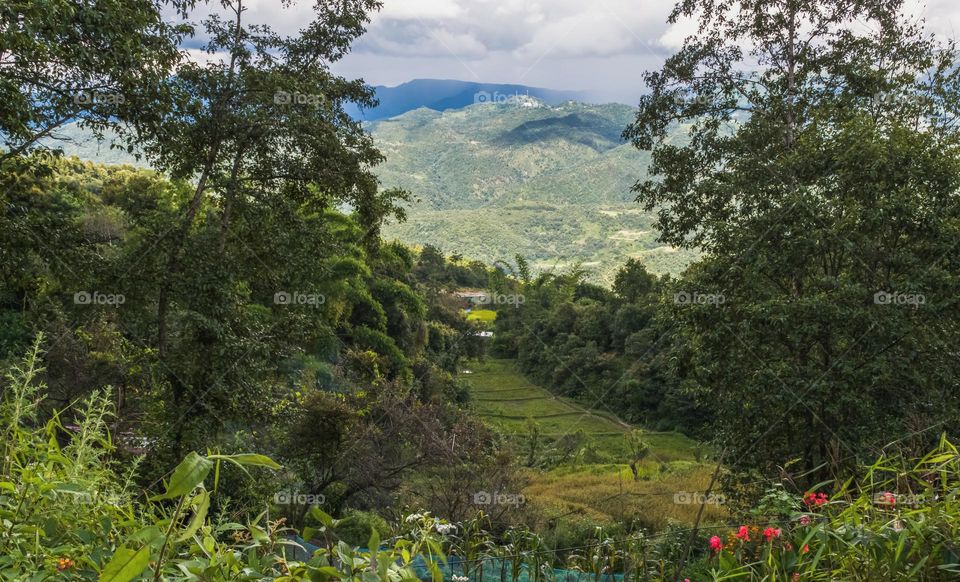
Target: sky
<point>600,47</point>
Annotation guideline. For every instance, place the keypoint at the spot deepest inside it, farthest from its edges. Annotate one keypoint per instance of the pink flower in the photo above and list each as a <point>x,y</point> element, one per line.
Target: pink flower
<point>771,533</point>
<point>743,534</point>
<point>886,498</point>
<point>716,544</point>
<point>804,520</point>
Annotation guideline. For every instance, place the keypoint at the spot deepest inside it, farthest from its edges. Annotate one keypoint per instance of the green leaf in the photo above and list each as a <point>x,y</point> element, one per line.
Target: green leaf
<point>190,473</point>
<point>249,460</point>
<point>126,564</point>
<point>201,504</point>
<point>374,542</point>
<point>320,516</point>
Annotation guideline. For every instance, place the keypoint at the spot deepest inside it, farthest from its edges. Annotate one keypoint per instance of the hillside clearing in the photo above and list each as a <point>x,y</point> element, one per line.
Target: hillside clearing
<point>597,485</point>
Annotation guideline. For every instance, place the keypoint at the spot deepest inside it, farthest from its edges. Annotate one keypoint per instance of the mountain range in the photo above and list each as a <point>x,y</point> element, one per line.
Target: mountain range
<point>546,179</point>
<point>441,95</point>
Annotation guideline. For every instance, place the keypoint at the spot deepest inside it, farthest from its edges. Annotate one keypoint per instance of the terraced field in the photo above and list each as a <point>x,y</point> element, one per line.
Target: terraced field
<point>597,488</point>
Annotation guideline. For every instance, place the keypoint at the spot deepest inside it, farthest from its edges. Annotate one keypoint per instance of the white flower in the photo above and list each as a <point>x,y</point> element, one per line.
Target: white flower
<point>414,517</point>
<point>446,528</point>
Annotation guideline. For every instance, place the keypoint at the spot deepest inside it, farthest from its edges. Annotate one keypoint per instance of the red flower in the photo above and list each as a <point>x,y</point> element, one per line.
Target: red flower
<point>814,499</point>
<point>716,544</point>
<point>806,549</point>
<point>770,533</point>
<point>743,534</point>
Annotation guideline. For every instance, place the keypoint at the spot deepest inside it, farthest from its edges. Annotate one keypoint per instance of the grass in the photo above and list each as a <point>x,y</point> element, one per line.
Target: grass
<point>482,315</point>
<point>598,489</point>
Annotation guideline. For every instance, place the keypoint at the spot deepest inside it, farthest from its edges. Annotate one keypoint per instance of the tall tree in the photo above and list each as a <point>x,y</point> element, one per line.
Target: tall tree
<point>820,177</point>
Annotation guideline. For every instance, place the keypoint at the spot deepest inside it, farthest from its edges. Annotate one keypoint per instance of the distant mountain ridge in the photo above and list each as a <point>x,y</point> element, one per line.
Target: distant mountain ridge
<point>443,95</point>
<point>499,178</point>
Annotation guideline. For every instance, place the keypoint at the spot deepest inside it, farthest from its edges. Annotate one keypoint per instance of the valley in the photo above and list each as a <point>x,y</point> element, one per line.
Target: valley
<point>589,481</point>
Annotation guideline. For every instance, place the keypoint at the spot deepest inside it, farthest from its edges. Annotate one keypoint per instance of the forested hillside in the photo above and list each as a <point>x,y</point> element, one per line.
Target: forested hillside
<point>551,183</point>
<point>492,180</point>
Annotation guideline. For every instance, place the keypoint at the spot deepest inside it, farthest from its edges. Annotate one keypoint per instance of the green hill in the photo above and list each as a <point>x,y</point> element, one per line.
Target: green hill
<point>493,180</point>
<point>551,183</point>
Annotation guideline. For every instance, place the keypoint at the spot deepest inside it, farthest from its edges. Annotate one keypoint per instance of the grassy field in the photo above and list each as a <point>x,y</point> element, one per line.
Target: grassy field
<point>597,488</point>
<point>482,315</point>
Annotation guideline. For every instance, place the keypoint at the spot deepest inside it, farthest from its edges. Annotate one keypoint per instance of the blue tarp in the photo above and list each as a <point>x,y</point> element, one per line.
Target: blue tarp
<point>494,570</point>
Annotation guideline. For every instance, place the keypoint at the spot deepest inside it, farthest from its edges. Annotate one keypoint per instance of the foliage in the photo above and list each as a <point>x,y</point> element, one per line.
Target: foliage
<point>612,350</point>
<point>555,199</point>
<point>63,62</point>
<point>820,178</point>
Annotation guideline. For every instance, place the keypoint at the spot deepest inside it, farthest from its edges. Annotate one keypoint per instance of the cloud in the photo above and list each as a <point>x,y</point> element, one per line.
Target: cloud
<point>422,10</point>
<point>600,45</point>
<point>527,29</point>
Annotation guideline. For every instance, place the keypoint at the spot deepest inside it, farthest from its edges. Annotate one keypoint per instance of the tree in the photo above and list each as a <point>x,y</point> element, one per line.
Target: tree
<point>632,281</point>
<point>639,449</point>
<point>820,176</point>
<point>98,63</point>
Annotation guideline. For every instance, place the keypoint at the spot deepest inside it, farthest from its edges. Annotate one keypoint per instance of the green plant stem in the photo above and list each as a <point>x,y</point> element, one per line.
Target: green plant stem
<point>166,540</point>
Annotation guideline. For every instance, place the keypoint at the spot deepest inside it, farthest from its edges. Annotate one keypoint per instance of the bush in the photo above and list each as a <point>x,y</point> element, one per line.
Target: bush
<point>356,526</point>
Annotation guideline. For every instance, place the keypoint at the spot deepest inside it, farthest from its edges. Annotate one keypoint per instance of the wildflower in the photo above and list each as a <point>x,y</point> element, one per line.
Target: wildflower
<point>898,526</point>
<point>65,564</point>
<point>241,536</point>
<point>460,578</point>
<point>806,549</point>
<point>446,528</point>
<point>804,520</point>
<point>814,499</point>
<point>885,498</point>
<point>771,533</point>
<point>716,544</point>
<point>788,546</point>
<point>413,517</point>
<point>743,534</point>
